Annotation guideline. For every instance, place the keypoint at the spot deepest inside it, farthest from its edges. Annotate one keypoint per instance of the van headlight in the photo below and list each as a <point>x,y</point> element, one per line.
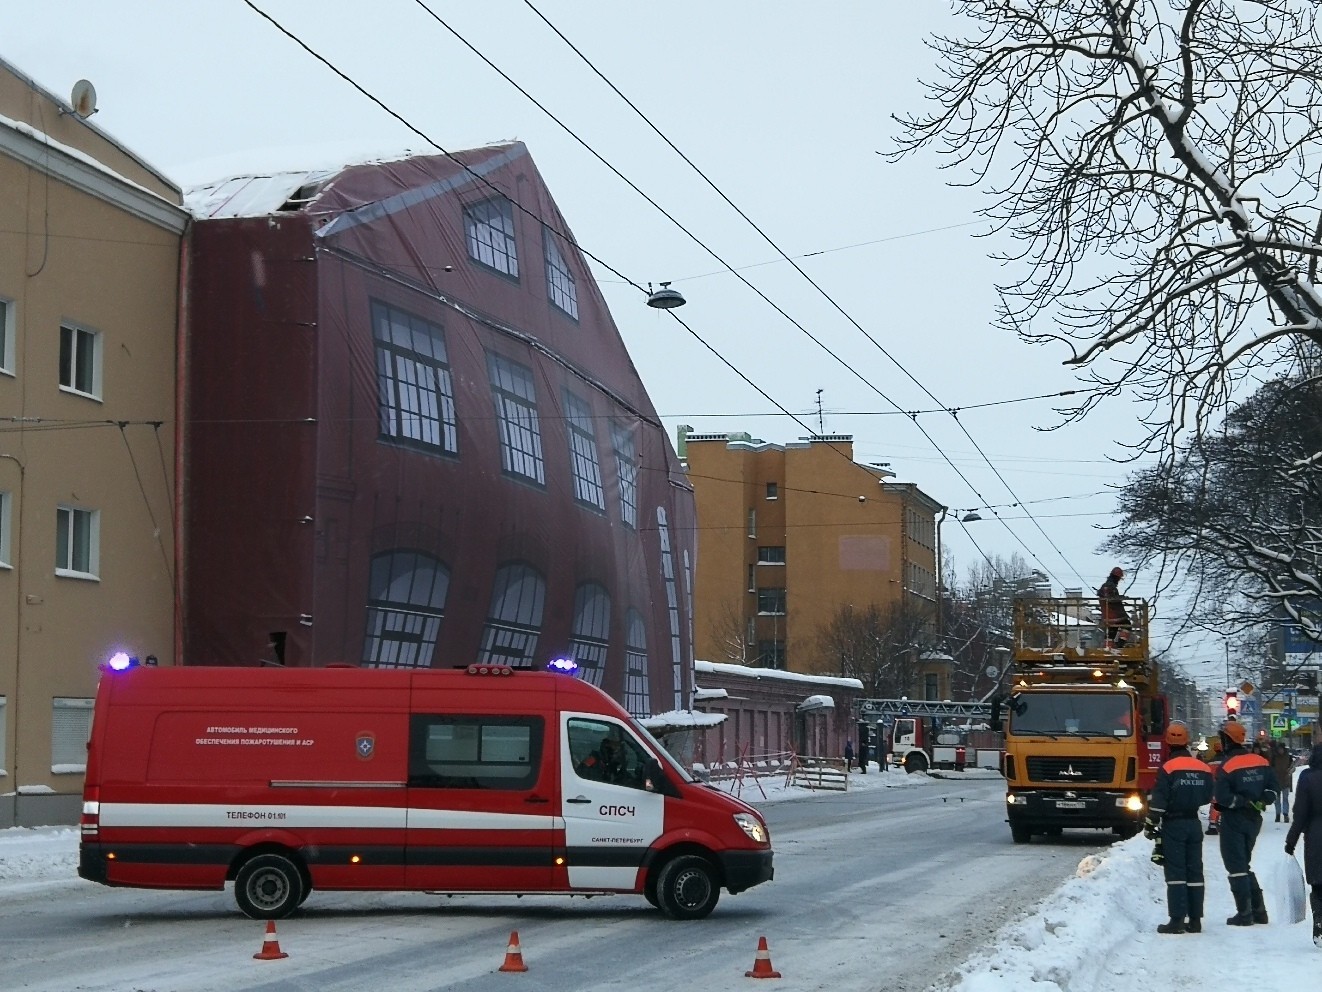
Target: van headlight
<point>751,825</point>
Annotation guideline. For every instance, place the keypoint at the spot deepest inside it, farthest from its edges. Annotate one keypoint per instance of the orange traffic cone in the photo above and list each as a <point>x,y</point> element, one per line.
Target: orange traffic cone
<point>762,963</point>
<point>270,946</point>
<point>513,956</point>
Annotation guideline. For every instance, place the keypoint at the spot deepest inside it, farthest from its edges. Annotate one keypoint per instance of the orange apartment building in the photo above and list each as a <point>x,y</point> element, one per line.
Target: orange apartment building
<point>790,533</point>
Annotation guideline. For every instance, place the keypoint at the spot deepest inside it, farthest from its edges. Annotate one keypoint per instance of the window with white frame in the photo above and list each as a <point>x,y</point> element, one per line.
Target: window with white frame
<point>416,392</point>
<point>77,536</point>
<point>516,413</point>
<point>4,736</point>
<point>583,460</point>
<point>6,502</point>
<point>80,361</point>
<point>70,728</point>
<point>515,621</point>
<point>559,280</point>
<point>407,592</point>
<point>592,631</point>
<point>489,227</point>
<point>7,309</point>
<point>626,467</point>
<point>637,695</point>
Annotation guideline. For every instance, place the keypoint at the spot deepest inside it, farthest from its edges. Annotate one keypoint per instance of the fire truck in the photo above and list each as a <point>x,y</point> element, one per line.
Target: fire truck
<point>926,734</point>
<point>1084,723</point>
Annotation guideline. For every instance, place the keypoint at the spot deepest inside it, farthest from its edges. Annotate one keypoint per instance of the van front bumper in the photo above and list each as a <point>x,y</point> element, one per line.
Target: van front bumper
<point>744,869</point>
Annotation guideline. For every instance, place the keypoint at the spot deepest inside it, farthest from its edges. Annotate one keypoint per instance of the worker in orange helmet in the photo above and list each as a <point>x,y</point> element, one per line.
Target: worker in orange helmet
<point>1115,619</point>
<point>1244,787</point>
<point>1183,787</point>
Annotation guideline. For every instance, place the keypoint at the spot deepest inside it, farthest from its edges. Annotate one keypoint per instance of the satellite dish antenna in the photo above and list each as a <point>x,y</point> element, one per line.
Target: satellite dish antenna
<point>83,99</point>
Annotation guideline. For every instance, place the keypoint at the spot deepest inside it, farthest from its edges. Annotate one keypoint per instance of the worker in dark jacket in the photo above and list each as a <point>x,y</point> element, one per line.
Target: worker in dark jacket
<point>1184,785</point>
<point>1245,786</point>
<point>1115,619</point>
<point>1308,822</point>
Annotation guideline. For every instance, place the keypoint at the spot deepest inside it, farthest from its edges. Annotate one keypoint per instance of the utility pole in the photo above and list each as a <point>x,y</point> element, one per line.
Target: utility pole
<point>821,423</point>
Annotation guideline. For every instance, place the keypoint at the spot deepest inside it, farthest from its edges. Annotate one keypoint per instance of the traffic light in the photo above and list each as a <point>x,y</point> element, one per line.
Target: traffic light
<point>1232,703</point>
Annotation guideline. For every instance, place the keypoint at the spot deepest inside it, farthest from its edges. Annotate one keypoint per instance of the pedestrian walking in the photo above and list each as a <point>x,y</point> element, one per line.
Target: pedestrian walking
<point>1308,824</point>
<point>849,755</point>
<point>1183,787</point>
<point>1283,766</point>
<point>1244,787</point>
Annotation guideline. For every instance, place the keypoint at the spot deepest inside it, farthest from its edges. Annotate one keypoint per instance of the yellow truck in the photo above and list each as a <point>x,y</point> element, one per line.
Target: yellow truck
<point>1084,723</point>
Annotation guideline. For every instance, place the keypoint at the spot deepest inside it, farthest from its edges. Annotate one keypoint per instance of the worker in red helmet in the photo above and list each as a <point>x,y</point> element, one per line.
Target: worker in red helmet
<point>1115,619</point>
<point>1184,786</point>
<point>1244,787</point>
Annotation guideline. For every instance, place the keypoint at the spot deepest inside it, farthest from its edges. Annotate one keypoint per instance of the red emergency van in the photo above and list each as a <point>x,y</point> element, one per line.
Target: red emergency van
<point>477,780</point>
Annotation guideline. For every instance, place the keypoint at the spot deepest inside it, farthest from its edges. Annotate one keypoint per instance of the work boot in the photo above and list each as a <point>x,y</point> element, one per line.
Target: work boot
<point>1317,932</point>
<point>1243,914</point>
<point>1259,914</point>
<point>1195,925</point>
<point>1174,926</point>
<point>1259,905</point>
<point>1278,817</point>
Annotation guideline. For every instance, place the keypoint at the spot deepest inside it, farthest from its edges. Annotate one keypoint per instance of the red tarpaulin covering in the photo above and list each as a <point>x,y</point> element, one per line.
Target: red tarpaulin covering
<point>414,438</point>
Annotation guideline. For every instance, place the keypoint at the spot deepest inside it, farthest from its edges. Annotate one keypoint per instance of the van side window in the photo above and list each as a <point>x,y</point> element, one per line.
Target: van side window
<point>605,752</point>
<point>475,752</point>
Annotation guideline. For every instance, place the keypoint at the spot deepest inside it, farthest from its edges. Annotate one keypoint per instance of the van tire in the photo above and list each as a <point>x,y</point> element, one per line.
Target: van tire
<point>687,888</point>
<point>915,762</point>
<point>269,887</point>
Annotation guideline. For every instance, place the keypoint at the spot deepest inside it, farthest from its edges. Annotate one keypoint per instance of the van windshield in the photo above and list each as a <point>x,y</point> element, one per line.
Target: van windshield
<point>1109,714</point>
<point>659,748</point>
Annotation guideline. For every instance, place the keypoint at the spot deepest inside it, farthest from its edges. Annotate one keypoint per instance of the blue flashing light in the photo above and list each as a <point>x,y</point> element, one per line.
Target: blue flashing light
<point>120,661</point>
<point>565,666</point>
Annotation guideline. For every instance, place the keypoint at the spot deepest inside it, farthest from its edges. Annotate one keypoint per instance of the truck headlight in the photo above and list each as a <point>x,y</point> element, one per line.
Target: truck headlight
<point>751,825</point>
<point>1015,800</point>
<point>1133,803</point>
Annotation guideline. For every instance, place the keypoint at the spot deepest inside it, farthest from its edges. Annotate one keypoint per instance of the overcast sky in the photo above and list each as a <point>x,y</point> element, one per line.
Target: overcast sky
<point>784,107</point>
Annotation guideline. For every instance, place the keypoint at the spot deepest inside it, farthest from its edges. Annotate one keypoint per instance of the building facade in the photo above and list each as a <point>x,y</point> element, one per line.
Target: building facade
<point>413,436</point>
<point>90,248</point>
<point>791,533</point>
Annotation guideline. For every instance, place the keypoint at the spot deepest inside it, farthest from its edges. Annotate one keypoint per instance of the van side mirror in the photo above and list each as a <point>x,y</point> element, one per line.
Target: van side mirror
<point>656,780</point>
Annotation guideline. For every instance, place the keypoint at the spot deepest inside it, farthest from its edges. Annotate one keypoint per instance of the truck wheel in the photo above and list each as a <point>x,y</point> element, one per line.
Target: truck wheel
<point>915,762</point>
<point>686,888</point>
<point>268,887</point>
<point>1021,833</point>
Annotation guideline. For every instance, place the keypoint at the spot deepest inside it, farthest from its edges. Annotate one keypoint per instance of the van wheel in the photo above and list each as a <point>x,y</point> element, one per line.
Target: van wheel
<point>915,762</point>
<point>268,887</point>
<point>686,888</point>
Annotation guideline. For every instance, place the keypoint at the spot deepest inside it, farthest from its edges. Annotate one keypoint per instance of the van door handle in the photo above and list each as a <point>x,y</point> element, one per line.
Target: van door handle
<point>579,799</point>
<point>537,799</point>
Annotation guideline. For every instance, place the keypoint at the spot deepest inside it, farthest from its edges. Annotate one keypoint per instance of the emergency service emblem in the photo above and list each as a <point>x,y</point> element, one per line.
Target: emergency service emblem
<point>365,746</point>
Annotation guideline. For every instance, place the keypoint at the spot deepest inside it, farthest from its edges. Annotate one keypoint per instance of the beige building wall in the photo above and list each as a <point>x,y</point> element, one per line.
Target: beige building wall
<point>90,242</point>
<point>849,535</point>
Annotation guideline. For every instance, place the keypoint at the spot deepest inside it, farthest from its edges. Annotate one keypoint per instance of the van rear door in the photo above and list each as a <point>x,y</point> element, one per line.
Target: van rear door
<point>610,819</point>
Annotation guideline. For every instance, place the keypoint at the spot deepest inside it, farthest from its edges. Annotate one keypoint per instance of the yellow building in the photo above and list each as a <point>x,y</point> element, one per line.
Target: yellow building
<point>788,534</point>
<point>90,240</point>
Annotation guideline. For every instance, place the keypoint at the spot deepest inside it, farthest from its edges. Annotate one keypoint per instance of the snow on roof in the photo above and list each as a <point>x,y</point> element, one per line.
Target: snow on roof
<point>682,718</point>
<point>745,671</point>
<point>251,196</point>
<point>699,693</point>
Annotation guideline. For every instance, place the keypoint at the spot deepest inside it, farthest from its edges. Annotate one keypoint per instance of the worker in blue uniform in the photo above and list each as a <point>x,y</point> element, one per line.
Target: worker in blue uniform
<point>1245,786</point>
<point>1184,785</point>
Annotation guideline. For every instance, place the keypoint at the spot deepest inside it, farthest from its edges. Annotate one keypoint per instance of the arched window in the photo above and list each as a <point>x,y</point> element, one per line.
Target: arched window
<point>592,628</point>
<point>637,699</point>
<point>515,620</point>
<point>405,606</point>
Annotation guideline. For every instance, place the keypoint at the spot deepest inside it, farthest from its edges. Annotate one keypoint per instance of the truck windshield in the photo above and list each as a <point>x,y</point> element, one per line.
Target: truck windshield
<point>1092,713</point>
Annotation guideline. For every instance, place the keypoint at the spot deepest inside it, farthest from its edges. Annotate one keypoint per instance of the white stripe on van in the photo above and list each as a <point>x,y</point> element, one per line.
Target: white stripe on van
<point>178,815</point>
